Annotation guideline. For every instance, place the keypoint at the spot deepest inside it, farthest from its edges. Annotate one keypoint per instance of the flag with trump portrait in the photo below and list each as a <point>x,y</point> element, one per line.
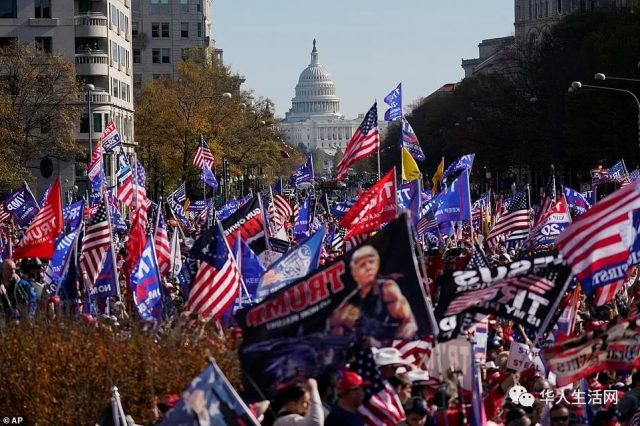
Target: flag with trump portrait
<point>145,285</point>
<point>305,328</point>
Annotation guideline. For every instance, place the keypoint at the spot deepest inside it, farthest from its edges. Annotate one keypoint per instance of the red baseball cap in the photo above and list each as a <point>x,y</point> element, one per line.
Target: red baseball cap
<point>350,380</point>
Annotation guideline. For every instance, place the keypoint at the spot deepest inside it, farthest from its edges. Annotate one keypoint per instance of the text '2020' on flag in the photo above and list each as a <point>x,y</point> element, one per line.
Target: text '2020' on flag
<point>374,208</point>
<point>38,240</point>
<point>364,142</point>
<point>597,244</point>
<point>306,328</point>
<point>145,285</point>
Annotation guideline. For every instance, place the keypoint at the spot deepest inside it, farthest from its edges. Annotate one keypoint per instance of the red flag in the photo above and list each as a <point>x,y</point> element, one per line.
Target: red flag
<point>374,208</point>
<point>137,239</point>
<point>39,239</point>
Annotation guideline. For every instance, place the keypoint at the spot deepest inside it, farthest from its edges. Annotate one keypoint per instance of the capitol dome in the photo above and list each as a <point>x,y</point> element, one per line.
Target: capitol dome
<point>315,93</point>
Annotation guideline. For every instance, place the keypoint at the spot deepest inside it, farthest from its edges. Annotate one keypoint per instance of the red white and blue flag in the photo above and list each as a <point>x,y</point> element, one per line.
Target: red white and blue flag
<point>96,241</point>
<point>204,156</point>
<point>163,252</point>
<point>364,142</point>
<point>110,137</point>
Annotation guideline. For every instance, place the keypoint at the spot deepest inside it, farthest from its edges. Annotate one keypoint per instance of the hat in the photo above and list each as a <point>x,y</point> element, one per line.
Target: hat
<point>416,405</point>
<point>350,380</point>
<point>418,377</point>
<point>389,356</point>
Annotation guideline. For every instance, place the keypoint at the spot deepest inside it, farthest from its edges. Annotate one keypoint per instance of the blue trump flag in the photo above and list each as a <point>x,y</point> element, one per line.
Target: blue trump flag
<point>117,223</point>
<point>22,205</point>
<point>301,227</point>
<point>251,270</point>
<point>409,198</point>
<point>106,284</point>
<point>575,200</point>
<point>463,163</point>
<point>145,285</point>
<point>178,212</point>
<point>340,209</point>
<point>45,195</point>
<point>72,215</point>
<point>303,173</point>
<point>410,142</point>
<point>57,269</point>
<point>208,178</point>
<point>210,400</point>
<point>394,100</point>
<point>454,202</point>
<point>298,262</point>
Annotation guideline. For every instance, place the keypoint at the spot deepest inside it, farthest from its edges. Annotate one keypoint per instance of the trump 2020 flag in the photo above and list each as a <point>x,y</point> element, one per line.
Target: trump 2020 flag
<point>208,178</point>
<point>298,262</point>
<point>454,202</point>
<point>301,227</point>
<point>597,245</point>
<point>22,205</point>
<point>463,163</point>
<point>57,269</point>
<point>211,401</point>
<point>303,173</point>
<point>251,269</point>
<point>410,142</point>
<point>110,137</point>
<point>394,100</point>
<point>409,198</point>
<point>145,285</point>
<point>106,284</point>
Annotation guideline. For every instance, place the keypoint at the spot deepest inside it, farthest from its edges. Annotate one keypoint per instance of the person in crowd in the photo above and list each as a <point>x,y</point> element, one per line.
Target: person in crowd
<point>559,415</point>
<point>379,308</point>
<point>517,417</point>
<point>301,405</point>
<point>630,402</point>
<point>388,361</point>
<point>416,411</point>
<point>17,295</point>
<point>402,385</point>
<point>327,388</point>
<point>350,397</point>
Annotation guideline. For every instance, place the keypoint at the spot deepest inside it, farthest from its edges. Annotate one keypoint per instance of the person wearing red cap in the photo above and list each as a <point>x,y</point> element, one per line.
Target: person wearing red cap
<point>350,397</point>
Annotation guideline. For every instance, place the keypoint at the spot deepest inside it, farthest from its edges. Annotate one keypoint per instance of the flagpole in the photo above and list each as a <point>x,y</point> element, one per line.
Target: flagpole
<point>155,260</point>
<point>239,264</point>
<point>105,200</point>
<point>264,224</point>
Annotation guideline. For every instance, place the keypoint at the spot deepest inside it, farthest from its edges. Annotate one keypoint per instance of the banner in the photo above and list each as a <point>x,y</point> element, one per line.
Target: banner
<point>454,202</point>
<point>72,215</point>
<point>394,100</point>
<point>463,163</point>
<point>145,285</point>
<point>249,222</point>
<point>304,329</point>
<point>523,291</point>
<point>179,213</point>
<point>374,208</point>
<point>57,268</point>
<point>110,137</point>
<point>303,173</point>
<point>409,198</point>
<point>22,205</point>
<point>558,218</point>
<point>301,227</point>
<point>302,260</point>
<point>614,348</point>
<point>106,284</point>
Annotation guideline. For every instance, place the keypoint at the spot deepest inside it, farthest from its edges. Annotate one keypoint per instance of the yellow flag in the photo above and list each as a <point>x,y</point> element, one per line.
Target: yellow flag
<point>186,205</point>
<point>437,177</point>
<point>410,169</point>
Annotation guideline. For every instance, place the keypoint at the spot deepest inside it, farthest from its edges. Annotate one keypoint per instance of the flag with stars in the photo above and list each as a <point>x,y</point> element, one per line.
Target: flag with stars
<point>410,142</point>
<point>210,400</point>
<point>513,223</point>
<point>95,243</point>
<point>364,142</point>
<point>381,404</point>
<point>394,100</point>
<point>478,258</point>
<point>204,156</point>
<point>217,283</point>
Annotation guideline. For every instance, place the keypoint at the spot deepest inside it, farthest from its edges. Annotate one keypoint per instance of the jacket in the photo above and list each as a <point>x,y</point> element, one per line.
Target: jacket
<point>315,416</point>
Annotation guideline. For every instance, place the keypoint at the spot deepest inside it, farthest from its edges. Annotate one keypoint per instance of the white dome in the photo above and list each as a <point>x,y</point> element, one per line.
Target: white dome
<point>315,93</point>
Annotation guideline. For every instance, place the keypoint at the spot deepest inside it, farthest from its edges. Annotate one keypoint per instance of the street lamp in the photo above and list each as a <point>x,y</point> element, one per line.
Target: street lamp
<point>576,85</point>
<point>90,88</point>
<point>602,77</point>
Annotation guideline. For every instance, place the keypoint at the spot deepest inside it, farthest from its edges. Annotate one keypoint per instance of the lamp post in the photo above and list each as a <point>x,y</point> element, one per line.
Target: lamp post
<point>576,85</point>
<point>90,88</point>
<point>602,77</point>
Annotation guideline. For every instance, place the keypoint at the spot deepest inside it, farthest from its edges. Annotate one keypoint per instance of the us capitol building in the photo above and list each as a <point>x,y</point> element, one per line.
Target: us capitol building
<point>314,120</point>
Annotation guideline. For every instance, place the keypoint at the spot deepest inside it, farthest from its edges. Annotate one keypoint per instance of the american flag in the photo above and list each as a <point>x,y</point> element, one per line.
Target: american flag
<point>218,281</point>
<point>417,352</point>
<point>204,156</point>
<point>95,164</point>
<point>4,214</point>
<point>180,193</point>
<point>284,211</point>
<point>515,220</point>
<point>600,239</point>
<point>470,299</point>
<point>478,259</point>
<point>338,239</point>
<point>163,252</point>
<point>381,405</point>
<point>95,243</point>
<point>364,142</point>
<point>605,294</point>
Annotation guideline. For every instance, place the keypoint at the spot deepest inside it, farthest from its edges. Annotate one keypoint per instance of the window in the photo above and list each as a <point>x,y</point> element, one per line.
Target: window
<point>155,29</point>
<point>155,56</point>
<point>137,81</point>
<point>166,56</point>
<point>184,5</point>
<point>114,87</point>
<point>8,9</point>
<point>199,29</point>
<point>121,23</point>
<point>114,16</point>
<point>135,5</point>
<point>184,29</point>
<point>43,9</point>
<point>44,44</point>
<point>123,91</point>
<point>84,124</point>
<point>559,6</point>
<point>136,56</point>
<point>122,57</point>
<point>198,5</point>
<point>134,28</point>
<point>97,122</point>
<point>114,52</point>
<point>165,29</point>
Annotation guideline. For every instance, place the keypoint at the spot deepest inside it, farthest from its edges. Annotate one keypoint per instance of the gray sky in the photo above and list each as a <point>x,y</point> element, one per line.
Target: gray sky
<point>368,46</point>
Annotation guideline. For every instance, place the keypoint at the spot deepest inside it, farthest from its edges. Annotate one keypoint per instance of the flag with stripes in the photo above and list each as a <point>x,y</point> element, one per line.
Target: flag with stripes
<point>417,352</point>
<point>576,201</point>
<point>96,167</point>
<point>180,194</point>
<point>381,405</point>
<point>38,240</point>
<point>364,142</point>
<point>163,252</point>
<point>283,208</point>
<point>110,137</point>
<point>478,258</point>
<point>338,239</point>
<point>204,156</point>
<point>95,243</point>
<point>4,214</point>
<point>597,245</point>
<point>218,281</point>
<point>514,221</point>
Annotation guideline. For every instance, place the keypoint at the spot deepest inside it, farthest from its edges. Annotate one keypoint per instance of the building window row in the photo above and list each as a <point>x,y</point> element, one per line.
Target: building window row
<point>120,90</point>
<point>161,56</point>
<point>42,8</point>
<point>160,29</point>
<point>44,44</point>
<point>119,55</point>
<point>118,19</point>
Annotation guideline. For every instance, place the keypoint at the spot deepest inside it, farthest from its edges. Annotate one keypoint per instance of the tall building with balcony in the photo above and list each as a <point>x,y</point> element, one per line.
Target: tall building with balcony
<point>162,31</point>
<point>96,36</point>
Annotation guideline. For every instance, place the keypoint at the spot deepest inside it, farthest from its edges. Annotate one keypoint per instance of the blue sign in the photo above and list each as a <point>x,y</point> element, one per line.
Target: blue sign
<point>22,205</point>
<point>146,286</point>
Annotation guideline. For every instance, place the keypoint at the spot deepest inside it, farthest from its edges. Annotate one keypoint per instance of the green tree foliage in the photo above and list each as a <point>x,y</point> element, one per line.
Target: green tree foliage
<point>40,109</point>
<point>526,118</point>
